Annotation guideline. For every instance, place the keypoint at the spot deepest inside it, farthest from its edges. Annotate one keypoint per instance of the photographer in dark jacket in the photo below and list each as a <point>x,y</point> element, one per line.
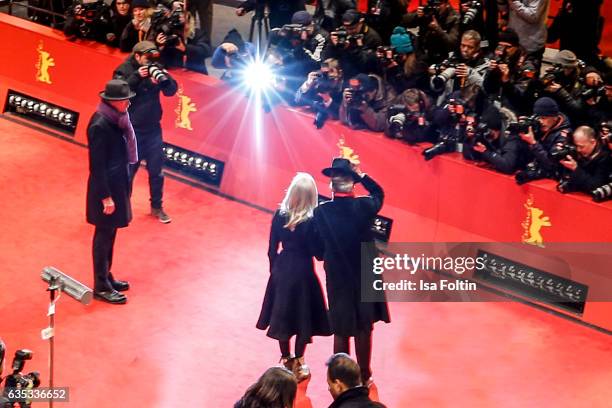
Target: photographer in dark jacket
<point>502,150</point>
<point>402,69</point>
<point>410,117</point>
<point>365,102</point>
<point>438,25</point>
<point>592,167</point>
<point>147,80</point>
<point>354,45</point>
<point>120,18</point>
<point>554,129</point>
<point>322,91</point>
<point>281,11</point>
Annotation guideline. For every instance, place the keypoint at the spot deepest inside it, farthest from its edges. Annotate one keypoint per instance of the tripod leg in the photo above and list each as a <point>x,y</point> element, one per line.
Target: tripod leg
<point>251,29</point>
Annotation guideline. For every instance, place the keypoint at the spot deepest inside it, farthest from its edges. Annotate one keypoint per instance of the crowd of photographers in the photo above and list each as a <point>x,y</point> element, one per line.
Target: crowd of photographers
<point>457,80</point>
<point>468,80</point>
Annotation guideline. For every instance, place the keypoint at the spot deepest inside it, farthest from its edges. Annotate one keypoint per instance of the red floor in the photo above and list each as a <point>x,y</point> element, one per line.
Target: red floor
<point>187,335</point>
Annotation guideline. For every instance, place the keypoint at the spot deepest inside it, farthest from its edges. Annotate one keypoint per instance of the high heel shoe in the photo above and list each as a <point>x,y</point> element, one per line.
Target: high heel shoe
<point>301,370</point>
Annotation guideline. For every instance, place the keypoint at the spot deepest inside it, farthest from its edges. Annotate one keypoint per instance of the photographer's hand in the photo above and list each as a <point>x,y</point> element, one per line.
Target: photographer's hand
<point>334,39</point>
<point>480,148</point>
<point>569,163</point>
<point>109,206</point>
<point>461,71</point>
<point>505,72</point>
<point>419,12</point>
<point>327,99</point>
<point>434,25</point>
<point>347,95</point>
<point>528,137</point>
<point>492,65</point>
<point>161,39</point>
<point>240,12</point>
<point>181,45</point>
<point>553,87</point>
<point>143,71</point>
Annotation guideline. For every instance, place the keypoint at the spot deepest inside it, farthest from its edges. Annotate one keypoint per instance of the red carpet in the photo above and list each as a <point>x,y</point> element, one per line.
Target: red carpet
<point>187,336</point>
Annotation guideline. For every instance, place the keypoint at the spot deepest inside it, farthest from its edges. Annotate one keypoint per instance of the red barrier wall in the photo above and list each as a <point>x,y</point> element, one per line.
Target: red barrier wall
<point>446,199</point>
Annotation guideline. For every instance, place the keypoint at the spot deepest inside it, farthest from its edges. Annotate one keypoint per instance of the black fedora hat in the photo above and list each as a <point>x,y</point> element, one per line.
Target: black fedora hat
<point>117,90</point>
<point>341,167</point>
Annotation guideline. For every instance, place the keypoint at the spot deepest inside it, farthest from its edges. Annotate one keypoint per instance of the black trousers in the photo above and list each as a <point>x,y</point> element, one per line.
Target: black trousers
<point>150,149</point>
<point>363,350</point>
<point>204,9</point>
<point>103,243</point>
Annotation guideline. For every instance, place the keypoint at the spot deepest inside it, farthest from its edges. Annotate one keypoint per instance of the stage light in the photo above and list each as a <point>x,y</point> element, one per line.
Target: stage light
<point>193,164</point>
<point>42,112</point>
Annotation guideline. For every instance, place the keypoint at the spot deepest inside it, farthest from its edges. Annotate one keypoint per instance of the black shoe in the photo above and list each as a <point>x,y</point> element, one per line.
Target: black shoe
<point>120,286</point>
<point>112,296</point>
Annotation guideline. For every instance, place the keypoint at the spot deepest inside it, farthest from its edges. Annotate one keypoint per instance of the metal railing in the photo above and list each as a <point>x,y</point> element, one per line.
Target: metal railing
<point>53,17</point>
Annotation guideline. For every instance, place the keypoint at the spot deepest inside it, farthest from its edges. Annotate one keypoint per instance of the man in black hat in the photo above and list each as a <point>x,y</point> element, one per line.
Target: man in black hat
<point>344,227</point>
<point>147,79</point>
<point>112,148</point>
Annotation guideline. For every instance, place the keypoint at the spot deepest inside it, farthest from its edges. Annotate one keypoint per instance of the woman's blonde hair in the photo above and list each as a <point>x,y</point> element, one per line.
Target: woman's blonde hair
<point>300,200</point>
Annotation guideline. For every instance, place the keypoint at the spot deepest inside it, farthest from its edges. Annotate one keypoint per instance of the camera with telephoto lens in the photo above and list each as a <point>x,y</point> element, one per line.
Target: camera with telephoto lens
<point>561,151</point>
<point>399,116</point>
<point>168,23</point>
<point>88,19</point>
<point>345,39</point>
<point>447,143</point>
<point>472,11</point>
<point>443,72</point>
<point>18,380</point>
<point>552,74</point>
<point>531,173</point>
<point>479,133</point>
<point>523,124</point>
<point>357,93</point>
<point>603,193</point>
<point>158,73</point>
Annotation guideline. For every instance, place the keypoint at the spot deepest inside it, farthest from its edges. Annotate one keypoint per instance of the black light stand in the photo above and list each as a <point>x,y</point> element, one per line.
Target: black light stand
<point>261,19</point>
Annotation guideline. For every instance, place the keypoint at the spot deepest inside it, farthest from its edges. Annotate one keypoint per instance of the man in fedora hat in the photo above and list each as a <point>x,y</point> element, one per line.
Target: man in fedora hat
<point>343,229</point>
<point>112,148</point>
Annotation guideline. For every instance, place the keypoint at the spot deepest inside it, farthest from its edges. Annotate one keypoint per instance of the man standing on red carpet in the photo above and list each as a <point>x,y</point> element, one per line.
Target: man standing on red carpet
<point>112,148</point>
<point>344,227</point>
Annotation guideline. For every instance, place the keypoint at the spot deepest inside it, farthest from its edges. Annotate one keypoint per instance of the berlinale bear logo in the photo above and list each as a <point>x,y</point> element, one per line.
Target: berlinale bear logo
<point>45,61</point>
<point>184,108</point>
<point>534,223</point>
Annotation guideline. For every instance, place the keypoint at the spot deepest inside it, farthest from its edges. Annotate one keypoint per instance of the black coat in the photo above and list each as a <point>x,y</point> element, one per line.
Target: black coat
<point>293,303</point>
<point>108,173</point>
<point>590,173</point>
<point>145,108</point>
<point>355,398</point>
<point>342,225</point>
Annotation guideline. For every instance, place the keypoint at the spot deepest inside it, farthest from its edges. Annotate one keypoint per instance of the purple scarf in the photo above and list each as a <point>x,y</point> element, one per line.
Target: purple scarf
<point>122,119</point>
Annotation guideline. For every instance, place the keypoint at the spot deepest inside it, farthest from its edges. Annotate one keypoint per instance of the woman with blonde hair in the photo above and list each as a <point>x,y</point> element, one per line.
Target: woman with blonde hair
<point>293,304</point>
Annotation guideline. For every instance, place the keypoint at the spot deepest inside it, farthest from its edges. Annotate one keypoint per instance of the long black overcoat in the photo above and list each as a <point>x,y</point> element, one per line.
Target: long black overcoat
<point>342,225</point>
<point>108,173</point>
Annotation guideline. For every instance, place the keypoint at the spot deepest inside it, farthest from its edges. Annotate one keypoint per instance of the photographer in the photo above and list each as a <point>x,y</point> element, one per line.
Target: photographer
<point>281,11</point>
<point>322,91</point>
<point>409,118</point>
<point>592,166</point>
<point>139,29</point>
<point>553,130</point>
<point>488,141</point>
<point>184,44</point>
<point>233,54</point>
<point>465,68</point>
<point>438,25</point>
<point>365,103</point>
<point>121,16</point>
<point>595,104</point>
<point>89,20</point>
<point>354,45</point>
<point>562,82</point>
<point>384,15</point>
<point>399,65</point>
<point>505,80</point>
<point>147,79</point>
